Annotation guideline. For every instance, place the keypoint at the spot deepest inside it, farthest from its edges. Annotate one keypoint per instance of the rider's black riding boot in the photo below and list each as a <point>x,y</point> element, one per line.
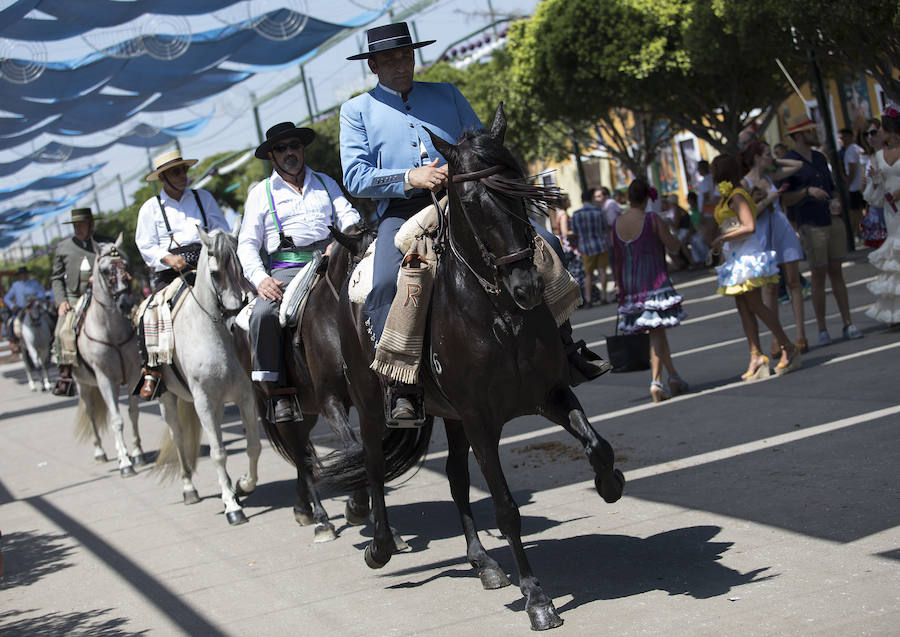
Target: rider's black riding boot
<point>581,369</point>
<point>64,384</point>
<point>281,402</point>
<point>151,377</point>
<point>404,402</point>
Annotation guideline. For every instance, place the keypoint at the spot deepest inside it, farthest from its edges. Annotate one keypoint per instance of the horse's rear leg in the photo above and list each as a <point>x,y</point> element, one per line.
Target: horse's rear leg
<point>379,551</point>
<point>489,571</point>
<point>538,604</point>
<point>357,508</point>
<point>211,419</point>
<point>246,484</point>
<point>564,409</point>
<point>168,405</point>
<point>324,529</point>
<point>86,395</point>
<point>137,452</point>
<point>110,393</point>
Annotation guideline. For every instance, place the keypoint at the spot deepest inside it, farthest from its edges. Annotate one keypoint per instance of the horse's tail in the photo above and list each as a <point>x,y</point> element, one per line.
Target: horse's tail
<point>84,431</point>
<point>168,465</point>
<point>284,445</point>
<point>345,470</point>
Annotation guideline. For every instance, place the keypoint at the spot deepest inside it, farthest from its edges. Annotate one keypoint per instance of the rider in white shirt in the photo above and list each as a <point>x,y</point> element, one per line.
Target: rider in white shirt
<point>287,215</point>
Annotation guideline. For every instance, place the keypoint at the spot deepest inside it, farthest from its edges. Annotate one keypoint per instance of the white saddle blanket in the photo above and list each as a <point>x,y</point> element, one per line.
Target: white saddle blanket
<point>293,296</point>
<point>361,278</point>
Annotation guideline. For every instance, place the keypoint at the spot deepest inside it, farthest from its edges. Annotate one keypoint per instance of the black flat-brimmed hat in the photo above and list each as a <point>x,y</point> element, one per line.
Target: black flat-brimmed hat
<point>387,37</point>
<point>283,131</point>
<point>81,214</point>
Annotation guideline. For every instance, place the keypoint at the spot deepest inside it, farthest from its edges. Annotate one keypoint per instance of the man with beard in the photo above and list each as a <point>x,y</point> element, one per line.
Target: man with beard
<point>72,268</point>
<point>287,216</point>
<point>388,156</point>
<point>167,235</point>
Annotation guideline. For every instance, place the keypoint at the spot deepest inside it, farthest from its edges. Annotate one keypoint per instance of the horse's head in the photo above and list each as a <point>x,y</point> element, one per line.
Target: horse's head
<point>225,273</point>
<point>356,239</point>
<point>490,190</point>
<point>111,272</point>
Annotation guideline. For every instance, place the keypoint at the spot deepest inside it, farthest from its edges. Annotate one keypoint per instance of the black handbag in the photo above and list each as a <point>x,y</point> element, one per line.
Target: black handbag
<point>628,352</point>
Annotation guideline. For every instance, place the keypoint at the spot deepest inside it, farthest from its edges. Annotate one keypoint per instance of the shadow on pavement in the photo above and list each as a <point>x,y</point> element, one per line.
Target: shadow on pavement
<point>28,556</point>
<point>50,405</point>
<point>34,622</point>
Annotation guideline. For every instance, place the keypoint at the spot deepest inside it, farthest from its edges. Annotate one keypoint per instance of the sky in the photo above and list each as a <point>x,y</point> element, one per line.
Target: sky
<point>232,128</point>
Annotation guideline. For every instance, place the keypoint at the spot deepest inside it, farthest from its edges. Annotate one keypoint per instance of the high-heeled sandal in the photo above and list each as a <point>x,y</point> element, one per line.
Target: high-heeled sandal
<point>658,392</point>
<point>774,350</point>
<point>762,371</point>
<point>677,385</point>
<point>793,362</point>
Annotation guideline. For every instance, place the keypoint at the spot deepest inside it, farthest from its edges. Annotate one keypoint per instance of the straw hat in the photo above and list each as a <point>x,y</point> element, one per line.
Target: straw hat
<point>81,214</point>
<point>799,123</point>
<point>167,160</point>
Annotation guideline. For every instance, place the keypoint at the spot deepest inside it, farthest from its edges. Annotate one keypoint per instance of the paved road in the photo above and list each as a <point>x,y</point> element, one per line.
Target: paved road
<point>764,509</point>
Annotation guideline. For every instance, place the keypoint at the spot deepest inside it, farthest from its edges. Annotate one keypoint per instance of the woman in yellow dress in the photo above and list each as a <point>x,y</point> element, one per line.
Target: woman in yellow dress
<point>747,267</point>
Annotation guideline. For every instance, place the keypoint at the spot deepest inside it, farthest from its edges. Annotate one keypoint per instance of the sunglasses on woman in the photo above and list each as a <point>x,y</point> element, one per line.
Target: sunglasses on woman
<point>280,148</point>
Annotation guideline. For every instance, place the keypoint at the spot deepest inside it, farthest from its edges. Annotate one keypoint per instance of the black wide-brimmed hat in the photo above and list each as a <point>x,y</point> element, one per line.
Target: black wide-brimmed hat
<point>283,131</point>
<point>387,37</point>
<point>81,214</point>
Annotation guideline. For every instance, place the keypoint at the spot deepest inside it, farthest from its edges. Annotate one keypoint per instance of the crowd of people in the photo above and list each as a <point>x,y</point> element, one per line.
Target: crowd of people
<point>754,216</point>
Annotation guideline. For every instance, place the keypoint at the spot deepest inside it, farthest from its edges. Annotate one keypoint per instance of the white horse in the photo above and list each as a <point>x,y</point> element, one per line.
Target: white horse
<point>207,372</point>
<point>108,359</point>
<point>37,335</point>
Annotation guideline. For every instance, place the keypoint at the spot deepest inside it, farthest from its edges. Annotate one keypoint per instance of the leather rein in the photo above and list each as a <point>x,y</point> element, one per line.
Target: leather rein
<point>486,177</point>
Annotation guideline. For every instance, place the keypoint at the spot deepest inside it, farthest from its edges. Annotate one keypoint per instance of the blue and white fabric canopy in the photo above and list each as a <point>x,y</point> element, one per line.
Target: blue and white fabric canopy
<point>49,183</point>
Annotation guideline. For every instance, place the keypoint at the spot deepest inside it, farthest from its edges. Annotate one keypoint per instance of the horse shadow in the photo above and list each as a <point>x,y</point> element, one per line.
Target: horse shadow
<point>683,561</point>
<point>92,622</point>
<point>28,556</point>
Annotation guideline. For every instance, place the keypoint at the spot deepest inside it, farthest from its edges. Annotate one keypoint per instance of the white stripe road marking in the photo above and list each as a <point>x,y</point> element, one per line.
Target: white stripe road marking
<point>874,350</point>
<point>506,440</point>
<point>757,445</point>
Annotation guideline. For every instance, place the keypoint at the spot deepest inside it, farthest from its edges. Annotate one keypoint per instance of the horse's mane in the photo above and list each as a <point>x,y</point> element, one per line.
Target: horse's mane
<point>224,248</point>
<point>493,153</point>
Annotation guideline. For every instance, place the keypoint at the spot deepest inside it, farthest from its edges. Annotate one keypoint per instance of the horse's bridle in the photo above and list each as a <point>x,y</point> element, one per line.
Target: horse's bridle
<point>224,312</point>
<point>490,259</point>
<point>118,269</point>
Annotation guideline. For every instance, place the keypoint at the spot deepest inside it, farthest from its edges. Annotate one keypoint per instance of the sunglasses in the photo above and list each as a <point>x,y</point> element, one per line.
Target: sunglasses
<point>178,170</point>
<point>870,132</point>
<point>280,148</point>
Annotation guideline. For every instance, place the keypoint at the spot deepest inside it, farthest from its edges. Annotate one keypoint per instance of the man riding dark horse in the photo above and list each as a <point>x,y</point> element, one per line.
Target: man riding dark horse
<point>287,216</point>
<point>388,156</point>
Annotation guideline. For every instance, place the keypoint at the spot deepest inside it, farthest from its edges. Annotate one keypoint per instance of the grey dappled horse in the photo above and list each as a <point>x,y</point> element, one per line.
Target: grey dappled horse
<point>108,359</point>
<point>206,373</point>
<point>37,335</point>
<point>492,352</point>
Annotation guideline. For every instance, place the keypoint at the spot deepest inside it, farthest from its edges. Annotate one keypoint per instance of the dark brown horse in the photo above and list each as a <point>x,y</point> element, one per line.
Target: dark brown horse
<point>315,368</point>
<point>492,353</point>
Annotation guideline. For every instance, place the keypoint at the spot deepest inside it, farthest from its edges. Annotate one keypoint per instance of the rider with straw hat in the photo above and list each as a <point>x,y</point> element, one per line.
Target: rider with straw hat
<point>287,215</point>
<point>167,235</point>
<point>72,267</point>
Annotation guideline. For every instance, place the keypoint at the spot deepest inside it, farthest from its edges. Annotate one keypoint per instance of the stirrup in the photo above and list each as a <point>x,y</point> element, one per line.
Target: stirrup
<point>416,395</point>
<point>276,392</point>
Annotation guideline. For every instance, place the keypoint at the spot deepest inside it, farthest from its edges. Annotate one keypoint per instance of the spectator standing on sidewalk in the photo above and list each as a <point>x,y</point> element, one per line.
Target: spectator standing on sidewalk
<point>592,232</point>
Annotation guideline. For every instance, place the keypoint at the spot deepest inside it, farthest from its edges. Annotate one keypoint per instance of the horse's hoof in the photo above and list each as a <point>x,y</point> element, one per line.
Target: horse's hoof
<point>399,544</point>
<point>101,459</point>
<point>303,518</point>
<point>239,492</point>
<point>610,490</point>
<point>191,497</point>
<point>138,459</point>
<point>236,517</point>
<point>127,471</point>
<point>372,562</point>
<point>544,617</point>
<point>324,533</point>
<point>33,388</point>
<point>354,518</point>
<point>493,578</point>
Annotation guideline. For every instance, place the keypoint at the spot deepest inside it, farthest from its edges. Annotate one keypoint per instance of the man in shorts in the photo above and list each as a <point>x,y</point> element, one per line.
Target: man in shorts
<point>592,231</point>
<point>810,194</point>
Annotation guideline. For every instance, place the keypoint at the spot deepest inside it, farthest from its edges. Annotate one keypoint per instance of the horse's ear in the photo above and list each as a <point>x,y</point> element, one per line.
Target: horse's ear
<point>237,227</point>
<point>118,242</point>
<point>498,128</point>
<point>203,236</point>
<point>445,148</point>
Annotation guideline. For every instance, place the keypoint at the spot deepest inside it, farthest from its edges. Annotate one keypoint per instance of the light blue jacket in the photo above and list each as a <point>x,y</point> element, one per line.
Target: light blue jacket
<point>380,136</point>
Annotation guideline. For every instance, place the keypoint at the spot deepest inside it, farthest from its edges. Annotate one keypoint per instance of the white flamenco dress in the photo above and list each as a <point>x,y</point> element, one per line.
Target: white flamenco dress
<point>748,264</point>
<point>886,259</point>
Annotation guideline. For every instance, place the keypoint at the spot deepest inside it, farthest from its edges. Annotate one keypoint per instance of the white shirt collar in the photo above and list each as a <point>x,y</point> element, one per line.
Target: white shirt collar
<point>393,92</point>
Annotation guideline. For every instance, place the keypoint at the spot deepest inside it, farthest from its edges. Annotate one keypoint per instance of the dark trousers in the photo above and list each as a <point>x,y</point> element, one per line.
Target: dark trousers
<point>387,264</point>
<point>266,334</point>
